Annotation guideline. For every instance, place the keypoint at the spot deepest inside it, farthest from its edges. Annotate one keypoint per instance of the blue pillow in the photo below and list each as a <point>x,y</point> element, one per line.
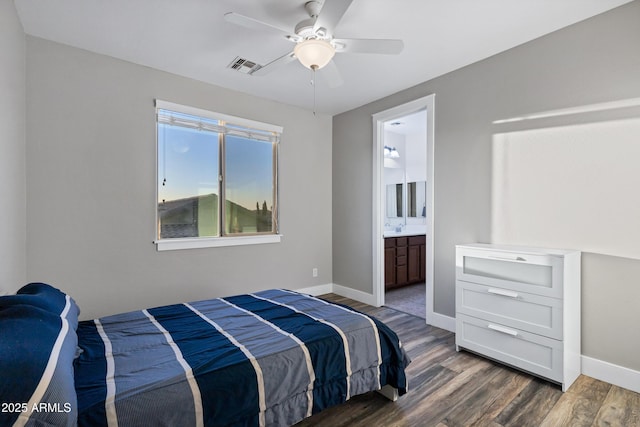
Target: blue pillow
<point>37,348</point>
<point>47,298</point>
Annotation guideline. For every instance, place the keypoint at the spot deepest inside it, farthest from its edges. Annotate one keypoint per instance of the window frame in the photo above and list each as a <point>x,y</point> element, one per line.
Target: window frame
<point>223,239</point>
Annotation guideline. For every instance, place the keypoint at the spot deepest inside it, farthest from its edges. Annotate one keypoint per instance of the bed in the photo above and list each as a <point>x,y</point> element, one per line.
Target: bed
<point>271,358</point>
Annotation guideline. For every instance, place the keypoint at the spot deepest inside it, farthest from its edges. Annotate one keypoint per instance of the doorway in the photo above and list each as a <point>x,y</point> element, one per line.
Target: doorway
<point>399,210</point>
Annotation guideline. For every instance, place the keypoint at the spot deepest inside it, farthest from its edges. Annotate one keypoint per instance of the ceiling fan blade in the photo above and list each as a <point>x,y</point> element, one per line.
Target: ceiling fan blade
<point>276,63</point>
<point>382,46</point>
<point>331,74</point>
<point>330,14</point>
<point>254,24</point>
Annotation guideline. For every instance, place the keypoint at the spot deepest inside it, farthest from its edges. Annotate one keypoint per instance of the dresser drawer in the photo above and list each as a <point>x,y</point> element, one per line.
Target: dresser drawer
<point>530,352</point>
<point>532,273</point>
<point>533,313</point>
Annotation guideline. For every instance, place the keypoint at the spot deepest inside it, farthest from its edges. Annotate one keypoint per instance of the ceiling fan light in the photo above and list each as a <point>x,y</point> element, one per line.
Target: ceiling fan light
<point>314,53</point>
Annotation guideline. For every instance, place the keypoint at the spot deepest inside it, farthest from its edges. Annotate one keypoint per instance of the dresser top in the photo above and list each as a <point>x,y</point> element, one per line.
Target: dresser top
<point>519,249</point>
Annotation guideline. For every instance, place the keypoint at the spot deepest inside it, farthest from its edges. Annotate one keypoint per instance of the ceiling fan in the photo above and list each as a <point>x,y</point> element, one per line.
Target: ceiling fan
<point>315,44</point>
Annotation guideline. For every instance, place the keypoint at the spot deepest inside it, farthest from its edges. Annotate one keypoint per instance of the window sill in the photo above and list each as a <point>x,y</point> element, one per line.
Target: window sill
<point>215,242</point>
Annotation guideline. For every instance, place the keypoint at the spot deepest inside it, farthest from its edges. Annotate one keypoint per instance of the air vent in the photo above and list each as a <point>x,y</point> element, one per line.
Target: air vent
<point>244,66</point>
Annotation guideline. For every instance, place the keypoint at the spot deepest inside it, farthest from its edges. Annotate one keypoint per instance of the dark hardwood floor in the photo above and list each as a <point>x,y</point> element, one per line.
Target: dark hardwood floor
<point>449,388</point>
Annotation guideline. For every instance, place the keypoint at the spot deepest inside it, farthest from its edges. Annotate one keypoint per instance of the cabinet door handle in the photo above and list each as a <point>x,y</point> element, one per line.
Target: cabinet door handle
<point>503,292</point>
<point>502,329</point>
<point>506,258</point>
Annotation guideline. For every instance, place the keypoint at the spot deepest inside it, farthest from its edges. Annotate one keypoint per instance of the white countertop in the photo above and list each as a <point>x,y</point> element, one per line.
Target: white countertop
<point>392,233</point>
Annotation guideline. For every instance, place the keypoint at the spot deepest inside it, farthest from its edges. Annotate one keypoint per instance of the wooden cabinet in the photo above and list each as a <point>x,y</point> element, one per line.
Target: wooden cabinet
<point>416,251</point>
<point>521,306</point>
<point>404,260</point>
<point>423,262</point>
<point>389,262</point>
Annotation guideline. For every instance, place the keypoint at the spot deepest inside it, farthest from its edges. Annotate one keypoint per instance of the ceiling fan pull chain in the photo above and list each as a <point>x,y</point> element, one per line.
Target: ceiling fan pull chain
<point>313,83</point>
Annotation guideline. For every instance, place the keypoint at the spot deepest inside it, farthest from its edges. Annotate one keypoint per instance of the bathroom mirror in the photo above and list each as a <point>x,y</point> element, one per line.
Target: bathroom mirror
<point>416,199</point>
<point>394,200</point>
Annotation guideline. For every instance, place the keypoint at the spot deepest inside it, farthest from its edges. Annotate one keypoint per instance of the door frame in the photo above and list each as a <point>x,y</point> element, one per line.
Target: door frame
<point>427,104</point>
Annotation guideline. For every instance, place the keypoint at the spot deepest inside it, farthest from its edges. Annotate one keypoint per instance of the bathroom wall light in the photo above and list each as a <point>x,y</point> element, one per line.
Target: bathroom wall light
<point>391,152</point>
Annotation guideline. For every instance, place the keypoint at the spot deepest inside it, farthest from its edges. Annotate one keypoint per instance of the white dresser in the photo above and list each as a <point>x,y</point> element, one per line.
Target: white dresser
<point>520,306</point>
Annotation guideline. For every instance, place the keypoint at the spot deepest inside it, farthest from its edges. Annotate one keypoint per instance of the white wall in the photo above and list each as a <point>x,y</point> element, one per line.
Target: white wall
<point>91,187</point>
<point>416,156</point>
<point>570,186</point>
<point>591,62</point>
<point>397,141</point>
<point>409,167</point>
<point>12,151</point>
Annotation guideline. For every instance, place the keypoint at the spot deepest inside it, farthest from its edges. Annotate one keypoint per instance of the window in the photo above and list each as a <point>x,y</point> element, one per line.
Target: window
<point>217,179</point>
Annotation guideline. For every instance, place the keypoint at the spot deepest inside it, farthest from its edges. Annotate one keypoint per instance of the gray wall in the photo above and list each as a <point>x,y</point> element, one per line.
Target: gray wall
<point>91,187</point>
<point>12,150</point>
<point>597,60</point>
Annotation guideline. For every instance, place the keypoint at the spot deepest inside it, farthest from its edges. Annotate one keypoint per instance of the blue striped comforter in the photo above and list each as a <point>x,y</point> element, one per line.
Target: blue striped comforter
<point>270,358</point>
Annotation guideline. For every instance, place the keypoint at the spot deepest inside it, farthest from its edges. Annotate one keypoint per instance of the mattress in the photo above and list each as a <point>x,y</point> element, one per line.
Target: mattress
<point>270,358</point>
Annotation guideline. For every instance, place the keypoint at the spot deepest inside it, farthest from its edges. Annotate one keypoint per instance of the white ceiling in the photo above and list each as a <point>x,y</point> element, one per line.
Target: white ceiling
<point>411,124</point>
<point>191,38</point>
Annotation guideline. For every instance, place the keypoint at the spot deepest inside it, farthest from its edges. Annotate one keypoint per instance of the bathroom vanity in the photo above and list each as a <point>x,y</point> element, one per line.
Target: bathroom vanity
<point>404,260</point>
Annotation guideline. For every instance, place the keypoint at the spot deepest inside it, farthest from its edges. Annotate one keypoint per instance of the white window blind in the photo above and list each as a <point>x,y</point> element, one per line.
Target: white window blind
<point>194,118</point>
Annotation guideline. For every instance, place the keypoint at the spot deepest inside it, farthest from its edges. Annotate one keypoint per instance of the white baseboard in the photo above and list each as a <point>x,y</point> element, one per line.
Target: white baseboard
<point>343,291</point>
<point>594,368</point>
<point>598,369</point>
<point>355,294</point>
<point>441,321</point>
<point>435,319</point>
<point>614,374</point>
<point>317,290</point>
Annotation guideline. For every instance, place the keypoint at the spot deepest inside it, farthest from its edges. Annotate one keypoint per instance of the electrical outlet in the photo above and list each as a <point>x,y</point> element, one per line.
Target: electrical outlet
<point>314,272</point>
